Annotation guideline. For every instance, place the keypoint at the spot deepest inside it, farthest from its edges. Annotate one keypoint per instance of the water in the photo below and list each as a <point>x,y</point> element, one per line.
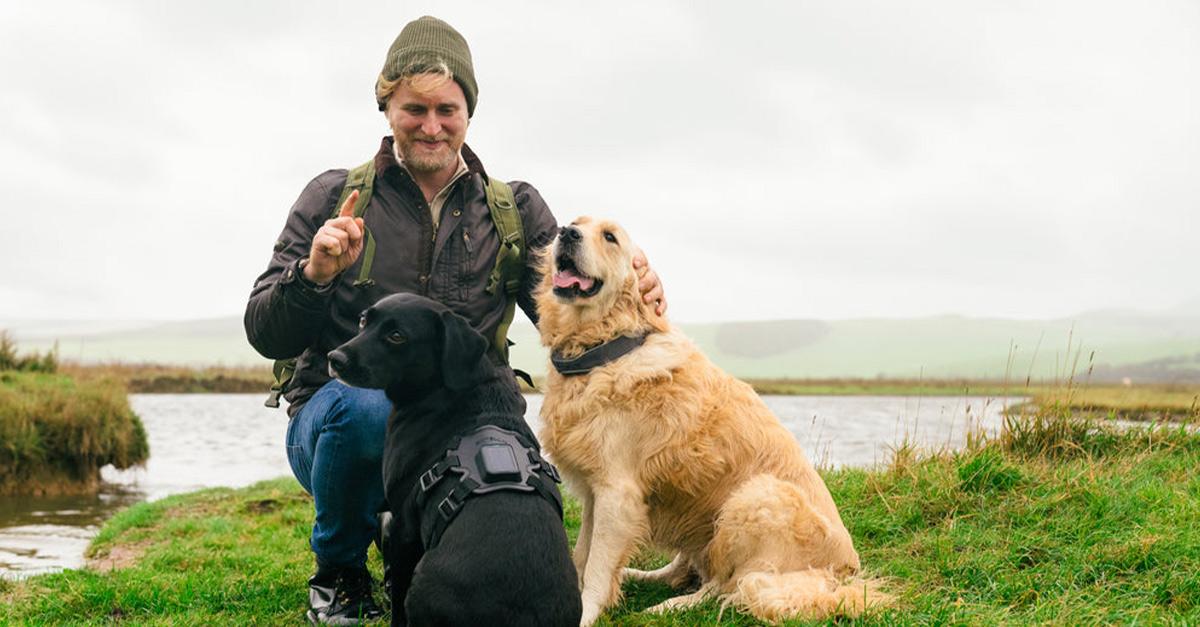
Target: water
<point>207,440</point>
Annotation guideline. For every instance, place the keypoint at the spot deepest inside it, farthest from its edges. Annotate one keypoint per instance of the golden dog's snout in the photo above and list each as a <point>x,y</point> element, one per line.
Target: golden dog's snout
<point>569,234</point>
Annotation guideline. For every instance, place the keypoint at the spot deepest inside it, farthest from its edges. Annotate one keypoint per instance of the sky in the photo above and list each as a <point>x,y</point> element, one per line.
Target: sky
<point>831,159</point>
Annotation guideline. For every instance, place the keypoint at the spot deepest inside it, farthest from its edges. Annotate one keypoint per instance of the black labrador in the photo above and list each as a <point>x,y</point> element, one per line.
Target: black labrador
<point>502,559</point>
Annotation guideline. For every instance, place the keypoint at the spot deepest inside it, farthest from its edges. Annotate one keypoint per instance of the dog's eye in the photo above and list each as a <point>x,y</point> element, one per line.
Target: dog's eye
<point>610,237</point>
<point>395,338</point>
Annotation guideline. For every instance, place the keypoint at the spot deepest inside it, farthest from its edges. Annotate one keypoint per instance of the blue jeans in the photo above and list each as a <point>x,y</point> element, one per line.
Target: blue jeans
<point>335,448</point>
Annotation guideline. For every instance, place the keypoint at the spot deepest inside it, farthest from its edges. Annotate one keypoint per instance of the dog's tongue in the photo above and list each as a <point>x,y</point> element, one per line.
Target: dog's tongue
<point>566,278</point>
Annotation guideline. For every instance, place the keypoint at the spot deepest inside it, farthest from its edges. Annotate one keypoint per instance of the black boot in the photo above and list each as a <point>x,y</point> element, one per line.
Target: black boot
<point>341,597</point>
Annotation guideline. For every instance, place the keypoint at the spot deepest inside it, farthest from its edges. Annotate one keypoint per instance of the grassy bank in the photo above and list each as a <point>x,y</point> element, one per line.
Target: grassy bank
<point>1162,403</point>
<point>1057,520</point>
<point>162,379</point>
<point>884,387</point>
<point>55,432</point>
<point>1143,402</point>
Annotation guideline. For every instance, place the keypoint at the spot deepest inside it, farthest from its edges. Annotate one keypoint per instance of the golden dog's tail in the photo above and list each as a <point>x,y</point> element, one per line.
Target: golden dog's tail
<point>779,556</point>
<point>807,594</point>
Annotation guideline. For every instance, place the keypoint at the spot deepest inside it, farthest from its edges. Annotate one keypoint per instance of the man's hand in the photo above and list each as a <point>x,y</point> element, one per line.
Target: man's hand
<point>649,284</point>
<point>337,244</point>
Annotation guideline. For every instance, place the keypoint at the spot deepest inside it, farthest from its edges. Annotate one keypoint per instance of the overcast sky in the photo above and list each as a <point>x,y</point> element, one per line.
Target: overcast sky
<point>775,160</point>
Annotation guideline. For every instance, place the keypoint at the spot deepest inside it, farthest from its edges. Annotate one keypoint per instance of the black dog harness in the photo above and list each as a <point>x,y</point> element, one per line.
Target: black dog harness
<point>596,356</point>
<point>488,459</point>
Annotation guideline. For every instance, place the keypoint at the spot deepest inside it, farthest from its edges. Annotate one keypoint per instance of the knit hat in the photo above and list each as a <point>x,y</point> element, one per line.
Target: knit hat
<point>430,40</point>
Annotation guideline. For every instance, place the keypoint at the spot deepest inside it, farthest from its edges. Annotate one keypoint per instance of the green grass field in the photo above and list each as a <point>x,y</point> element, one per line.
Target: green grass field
<point>1057,520</point>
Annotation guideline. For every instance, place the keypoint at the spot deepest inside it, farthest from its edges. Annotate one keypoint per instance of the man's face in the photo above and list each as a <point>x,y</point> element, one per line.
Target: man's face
<point>429,127</point>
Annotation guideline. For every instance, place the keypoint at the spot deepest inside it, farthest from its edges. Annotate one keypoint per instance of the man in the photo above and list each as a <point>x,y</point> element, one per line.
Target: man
<point>433,235</point>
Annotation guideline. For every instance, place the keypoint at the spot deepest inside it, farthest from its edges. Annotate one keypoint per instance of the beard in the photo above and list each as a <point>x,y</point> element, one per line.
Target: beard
<point>420,159</point>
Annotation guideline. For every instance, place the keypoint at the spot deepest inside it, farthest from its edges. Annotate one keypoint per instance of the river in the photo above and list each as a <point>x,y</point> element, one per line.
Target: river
<point>207,440</point>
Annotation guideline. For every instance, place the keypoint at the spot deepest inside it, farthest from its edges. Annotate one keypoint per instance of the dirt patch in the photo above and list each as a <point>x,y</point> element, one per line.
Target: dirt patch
<point>117,557</point>
<point>263,506</point>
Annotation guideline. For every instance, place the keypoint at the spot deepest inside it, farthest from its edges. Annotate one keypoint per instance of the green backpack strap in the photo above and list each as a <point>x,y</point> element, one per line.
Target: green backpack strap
<point>362,179</point>
<point>510,259</point>
<point>283,369</point>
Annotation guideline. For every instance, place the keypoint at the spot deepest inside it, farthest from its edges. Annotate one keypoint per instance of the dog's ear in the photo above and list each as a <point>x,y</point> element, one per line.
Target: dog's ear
<point>462,352</point>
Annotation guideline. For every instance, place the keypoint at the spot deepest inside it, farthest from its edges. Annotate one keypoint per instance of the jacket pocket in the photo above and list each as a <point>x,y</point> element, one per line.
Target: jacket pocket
<point>453,268</point>
<point>466,265</point>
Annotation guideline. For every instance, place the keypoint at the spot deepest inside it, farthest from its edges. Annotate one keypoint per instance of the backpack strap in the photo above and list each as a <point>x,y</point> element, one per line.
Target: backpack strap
<point>283,369</point>
<point>510,259</point>
<point>506,273</point>
<point>361,178</point>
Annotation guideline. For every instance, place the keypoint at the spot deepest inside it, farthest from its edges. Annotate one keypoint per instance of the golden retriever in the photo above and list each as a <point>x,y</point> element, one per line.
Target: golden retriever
<point>661,446</point>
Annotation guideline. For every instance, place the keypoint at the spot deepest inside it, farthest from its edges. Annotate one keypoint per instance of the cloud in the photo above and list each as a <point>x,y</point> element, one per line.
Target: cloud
<point>825,159</point>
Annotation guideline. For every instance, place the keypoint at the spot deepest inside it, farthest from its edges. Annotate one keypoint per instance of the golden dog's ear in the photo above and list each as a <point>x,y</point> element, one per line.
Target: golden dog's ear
<point>462,352</point>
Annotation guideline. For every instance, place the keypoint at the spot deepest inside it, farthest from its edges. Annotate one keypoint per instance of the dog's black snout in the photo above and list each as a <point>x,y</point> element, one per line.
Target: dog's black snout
<point>338,360</point>
<point>570,234</point>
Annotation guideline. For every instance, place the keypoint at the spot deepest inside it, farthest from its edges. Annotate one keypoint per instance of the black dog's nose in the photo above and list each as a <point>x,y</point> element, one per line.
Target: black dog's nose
<point>338,360</point>
<point>570,234</point>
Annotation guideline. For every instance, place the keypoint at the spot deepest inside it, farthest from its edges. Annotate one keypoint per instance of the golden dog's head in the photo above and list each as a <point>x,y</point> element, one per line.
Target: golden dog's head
<point>589,291</point>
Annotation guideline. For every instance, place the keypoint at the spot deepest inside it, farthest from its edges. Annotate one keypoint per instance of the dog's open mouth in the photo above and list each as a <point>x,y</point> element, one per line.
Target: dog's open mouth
<point>569,282</point>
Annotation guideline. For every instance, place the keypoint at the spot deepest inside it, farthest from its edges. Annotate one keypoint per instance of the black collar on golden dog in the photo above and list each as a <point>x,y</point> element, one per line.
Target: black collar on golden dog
<point>596,356</point>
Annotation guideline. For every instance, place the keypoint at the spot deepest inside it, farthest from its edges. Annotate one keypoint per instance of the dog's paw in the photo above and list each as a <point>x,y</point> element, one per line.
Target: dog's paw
<point>681,602</point>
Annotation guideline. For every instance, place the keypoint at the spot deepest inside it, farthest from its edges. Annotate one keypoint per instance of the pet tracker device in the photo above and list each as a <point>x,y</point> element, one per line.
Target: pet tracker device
<point>497,462</point>
<point>488,459</point>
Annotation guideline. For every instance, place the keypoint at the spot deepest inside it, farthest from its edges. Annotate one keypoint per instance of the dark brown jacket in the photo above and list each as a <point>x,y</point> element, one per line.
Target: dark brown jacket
<point>286,317</point>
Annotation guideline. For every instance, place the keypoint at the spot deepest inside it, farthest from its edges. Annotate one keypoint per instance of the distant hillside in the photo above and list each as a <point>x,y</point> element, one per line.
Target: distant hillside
<point>1113,344</point>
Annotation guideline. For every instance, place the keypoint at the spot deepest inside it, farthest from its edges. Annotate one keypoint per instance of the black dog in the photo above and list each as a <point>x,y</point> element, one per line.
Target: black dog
<point>471,542</point>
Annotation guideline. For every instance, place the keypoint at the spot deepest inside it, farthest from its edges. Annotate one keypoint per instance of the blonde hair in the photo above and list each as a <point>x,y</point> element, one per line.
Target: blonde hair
<point>423,78</point>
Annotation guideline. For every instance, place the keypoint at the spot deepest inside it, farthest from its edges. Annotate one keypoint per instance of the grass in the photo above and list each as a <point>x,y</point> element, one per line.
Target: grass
<point>1161,402</point>
<point>1143,402</point>
<point>1057,520</point>
<point>883,387</point>
<point>165,379</point>
<point>55,432</point>
<point>33,362</point>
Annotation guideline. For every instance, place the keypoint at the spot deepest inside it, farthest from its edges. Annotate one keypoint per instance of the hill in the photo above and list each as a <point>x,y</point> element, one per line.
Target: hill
<point>1114,344</point>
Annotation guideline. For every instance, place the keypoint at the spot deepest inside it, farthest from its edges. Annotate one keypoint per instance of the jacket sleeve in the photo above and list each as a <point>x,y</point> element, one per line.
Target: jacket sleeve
<point>540,230</point>
<point>285,312</point>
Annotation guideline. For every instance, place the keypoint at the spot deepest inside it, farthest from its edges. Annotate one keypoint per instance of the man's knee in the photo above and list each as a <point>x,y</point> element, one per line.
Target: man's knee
<point>359,417</point>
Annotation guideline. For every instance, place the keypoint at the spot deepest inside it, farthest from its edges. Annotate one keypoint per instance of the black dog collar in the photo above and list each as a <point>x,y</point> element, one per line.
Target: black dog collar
<point>596,356</point>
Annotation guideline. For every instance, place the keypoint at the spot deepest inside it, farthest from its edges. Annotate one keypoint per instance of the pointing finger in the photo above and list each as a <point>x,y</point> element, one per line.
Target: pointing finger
<point>348,206</point>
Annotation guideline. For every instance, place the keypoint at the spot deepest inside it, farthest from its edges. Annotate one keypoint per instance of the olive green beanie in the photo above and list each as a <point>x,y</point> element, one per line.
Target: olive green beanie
<point>428,40</point>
